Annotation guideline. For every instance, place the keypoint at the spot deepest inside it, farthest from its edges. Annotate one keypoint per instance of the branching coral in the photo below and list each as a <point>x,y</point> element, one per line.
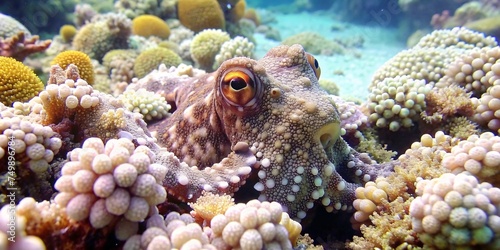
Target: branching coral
<point>444,103</point>
<point>19,46</point>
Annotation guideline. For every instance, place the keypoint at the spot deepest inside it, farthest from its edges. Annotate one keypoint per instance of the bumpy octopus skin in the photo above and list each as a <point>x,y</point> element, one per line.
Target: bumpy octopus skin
<point>268,116</point>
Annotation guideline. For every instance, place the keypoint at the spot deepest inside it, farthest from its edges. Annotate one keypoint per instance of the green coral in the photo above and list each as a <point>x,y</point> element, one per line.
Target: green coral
<point>150,59</point>
<point>206,45</point>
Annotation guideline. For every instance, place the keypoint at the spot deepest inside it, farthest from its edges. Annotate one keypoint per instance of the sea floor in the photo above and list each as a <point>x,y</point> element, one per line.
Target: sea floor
<point>380,44</point>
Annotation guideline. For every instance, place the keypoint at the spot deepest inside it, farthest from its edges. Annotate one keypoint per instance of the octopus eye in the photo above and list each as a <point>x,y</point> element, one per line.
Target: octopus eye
<point>314,64</point>
<point>238,87</point>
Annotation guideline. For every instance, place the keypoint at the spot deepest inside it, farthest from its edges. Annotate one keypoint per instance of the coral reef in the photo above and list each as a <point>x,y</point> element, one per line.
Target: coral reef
<point>382,207</point>
<point>486,109</point>
<point>431,56</point>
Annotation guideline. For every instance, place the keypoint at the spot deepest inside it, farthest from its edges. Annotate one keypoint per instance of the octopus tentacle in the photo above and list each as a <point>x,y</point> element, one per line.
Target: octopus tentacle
<point>225,177</point>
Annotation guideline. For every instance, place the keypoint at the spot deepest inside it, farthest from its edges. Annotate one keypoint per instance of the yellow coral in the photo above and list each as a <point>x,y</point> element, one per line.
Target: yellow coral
<point>209,205</point>
<point>150,59</point>
<point>67,32</point>
<point>150,25</point>
<point>80,59</point>
<point>17,81</point>
<point>198,15</point>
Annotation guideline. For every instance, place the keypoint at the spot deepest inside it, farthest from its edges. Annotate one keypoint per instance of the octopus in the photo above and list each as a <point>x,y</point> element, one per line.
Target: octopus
<point>268,117</point>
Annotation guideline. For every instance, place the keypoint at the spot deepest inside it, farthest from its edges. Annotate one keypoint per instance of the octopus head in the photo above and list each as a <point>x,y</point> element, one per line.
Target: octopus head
<point>292,126</point>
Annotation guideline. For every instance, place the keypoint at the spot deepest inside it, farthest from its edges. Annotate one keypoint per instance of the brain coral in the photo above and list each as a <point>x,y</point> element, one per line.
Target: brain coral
<point>17,81</point>
<point>11,27</point>
<point>206,45</point>
<point>149,25</point>
<point>80,59</point>
<point>150,59</point>
<point>198,15</point>
<point>456,212</point>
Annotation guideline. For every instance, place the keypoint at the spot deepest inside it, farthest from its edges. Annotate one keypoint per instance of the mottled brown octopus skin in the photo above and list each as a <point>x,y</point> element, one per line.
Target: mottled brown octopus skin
<point>290,136</point>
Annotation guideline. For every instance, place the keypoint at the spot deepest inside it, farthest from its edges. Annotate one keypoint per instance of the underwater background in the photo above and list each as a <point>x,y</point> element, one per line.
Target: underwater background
<point>201,124</point>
